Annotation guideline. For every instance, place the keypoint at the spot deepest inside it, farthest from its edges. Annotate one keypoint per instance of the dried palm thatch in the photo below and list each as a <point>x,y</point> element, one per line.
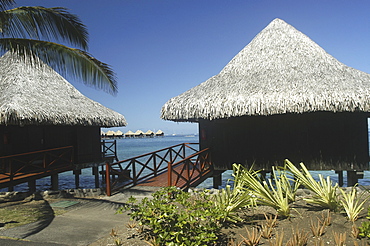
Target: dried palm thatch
<point>32,93</point>
<point>129,134</point>
<point>280,71</point>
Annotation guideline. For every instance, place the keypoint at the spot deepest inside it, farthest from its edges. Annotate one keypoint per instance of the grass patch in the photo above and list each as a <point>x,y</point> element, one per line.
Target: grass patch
<point>21,213</point>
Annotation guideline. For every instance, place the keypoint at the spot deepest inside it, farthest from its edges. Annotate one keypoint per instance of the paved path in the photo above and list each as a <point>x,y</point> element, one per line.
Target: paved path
<point>82,224</point>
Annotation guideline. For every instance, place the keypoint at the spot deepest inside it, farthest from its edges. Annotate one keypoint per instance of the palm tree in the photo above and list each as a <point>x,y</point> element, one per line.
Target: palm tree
<point>38,32</point>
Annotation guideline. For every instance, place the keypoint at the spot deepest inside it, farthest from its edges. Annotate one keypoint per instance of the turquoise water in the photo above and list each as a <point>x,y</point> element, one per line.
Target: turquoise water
<point>128,148</point>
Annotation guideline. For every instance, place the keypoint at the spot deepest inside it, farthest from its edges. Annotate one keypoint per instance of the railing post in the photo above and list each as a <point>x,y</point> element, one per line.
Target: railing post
<point>11,176</point>
<point>169,173</point>
<point>134,177</point>
<point>187,166</point>
<point>115,149</point>
<point>103,148</point>
<point>155,164</point>
<point>107,178</point>
<point>183,151</point>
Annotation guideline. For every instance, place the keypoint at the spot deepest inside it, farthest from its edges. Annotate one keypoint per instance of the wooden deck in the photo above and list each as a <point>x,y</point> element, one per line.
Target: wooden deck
<point>162,180</point>
<point>27,167</point>
<point>6,181</point>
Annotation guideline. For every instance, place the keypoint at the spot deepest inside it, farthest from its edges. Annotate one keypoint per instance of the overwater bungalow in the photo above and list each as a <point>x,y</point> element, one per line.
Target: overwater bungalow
<point>110,134</point>
<point>282,96</point>
<point>159,133</point>
<point>139,134</point>
<point>40,110</point>
<point>129,134</point>
<point>149,134</point>
<point>118,134</point>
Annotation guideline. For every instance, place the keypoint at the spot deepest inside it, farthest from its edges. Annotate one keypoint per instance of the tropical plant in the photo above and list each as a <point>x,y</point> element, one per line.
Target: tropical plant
<point>325,192</point>
<point>299,238</point>
<point>266,192</point>
<point>253,237</point>
<point>364,229</point>
<point>278,240</point>
<point>352,203</point>
<point>318,228</point>
<point>175,217</point>
<point>33,32</point>
<point>340,238</point>
<point>229,201</point>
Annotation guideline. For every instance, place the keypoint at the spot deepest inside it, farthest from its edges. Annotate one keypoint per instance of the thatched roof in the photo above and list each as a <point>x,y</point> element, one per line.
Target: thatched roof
<point>139,132</point>
<point>129,133</point>
<point>37,95</point>
<point>110,133</point>
<point>280,71</point>
<point>118,133</point>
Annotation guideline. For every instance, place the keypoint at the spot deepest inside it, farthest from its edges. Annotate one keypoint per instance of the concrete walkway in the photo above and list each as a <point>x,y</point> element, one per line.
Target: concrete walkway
<point>82,224</point>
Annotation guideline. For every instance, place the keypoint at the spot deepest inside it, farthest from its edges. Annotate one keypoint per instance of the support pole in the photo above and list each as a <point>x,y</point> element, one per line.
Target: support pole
<point>353,176</point>
<point>340,177</point>
<point>77,177</point>
<point>32,185</point>
<point>169,168</point>
<point>217,179</point>
<point>54,181</point>
<point>107,179</point>
<point>95,172</point>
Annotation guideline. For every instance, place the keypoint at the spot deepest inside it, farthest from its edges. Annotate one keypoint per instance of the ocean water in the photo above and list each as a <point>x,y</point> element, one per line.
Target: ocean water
<point>128,148</point>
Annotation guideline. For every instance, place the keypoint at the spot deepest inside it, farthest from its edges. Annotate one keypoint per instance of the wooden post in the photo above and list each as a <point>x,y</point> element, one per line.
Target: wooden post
<point>32,185</point>
<point>77,178</point>
<point>155,165</point>
<point>187,166</point>
<point>11,187</point>
<point>169,168</point>
<point>217,179</point>
<point>263,175</point>
<point>54,181</point>
<point>353,176</point>
<point>95,172</point>
<point>340,177</point>
<point>107,178</point>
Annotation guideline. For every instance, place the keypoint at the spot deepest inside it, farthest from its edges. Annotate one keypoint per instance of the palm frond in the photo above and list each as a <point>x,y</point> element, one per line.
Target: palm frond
<point>67,61</point>
<point>4,4</point>
<point>51,24</point>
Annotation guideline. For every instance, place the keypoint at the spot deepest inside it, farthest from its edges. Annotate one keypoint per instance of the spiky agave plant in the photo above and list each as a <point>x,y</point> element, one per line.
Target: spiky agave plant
<point>352,203</point>
<point>266,192</point>
<point>231,199</point>
<point>325,193</point>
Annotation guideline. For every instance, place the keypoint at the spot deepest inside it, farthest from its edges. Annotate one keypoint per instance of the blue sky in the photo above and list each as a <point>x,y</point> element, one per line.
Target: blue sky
<point>161,48</point>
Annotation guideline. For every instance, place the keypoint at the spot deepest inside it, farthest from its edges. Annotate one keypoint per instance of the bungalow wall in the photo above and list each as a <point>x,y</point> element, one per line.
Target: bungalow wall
<point>84,139</point>
<point>321,140</point>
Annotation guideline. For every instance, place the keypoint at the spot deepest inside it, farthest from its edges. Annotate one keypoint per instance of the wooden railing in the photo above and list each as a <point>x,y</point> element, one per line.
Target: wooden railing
<point>109,149</point>
<point>16,168</point>
<point>143,167</point>
<point>191,170</point>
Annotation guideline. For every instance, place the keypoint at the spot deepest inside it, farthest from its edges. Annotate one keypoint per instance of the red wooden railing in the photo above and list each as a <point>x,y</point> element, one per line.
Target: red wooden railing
<point>138,169</point>
<point>191,170</point>
<point>19,168</point>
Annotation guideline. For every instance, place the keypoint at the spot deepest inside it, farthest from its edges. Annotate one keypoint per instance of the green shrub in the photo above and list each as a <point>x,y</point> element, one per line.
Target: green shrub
<point>364,229</point>
<point>175,217</point>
